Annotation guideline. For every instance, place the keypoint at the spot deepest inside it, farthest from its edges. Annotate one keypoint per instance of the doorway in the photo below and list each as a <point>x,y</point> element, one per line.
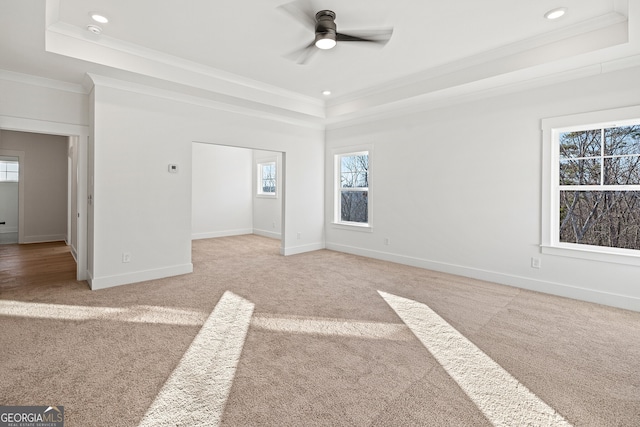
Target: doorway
<point>80,134</point>
<point>226,196</point>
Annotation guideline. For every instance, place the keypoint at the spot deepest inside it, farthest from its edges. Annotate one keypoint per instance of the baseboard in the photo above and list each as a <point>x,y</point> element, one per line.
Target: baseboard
<point>45,238</point>
<point>293,250</point>
<point>559,289</point>
<point>74,253</point>
<point>223,233</point>
<point>265,233</point>
<point>139,276</point>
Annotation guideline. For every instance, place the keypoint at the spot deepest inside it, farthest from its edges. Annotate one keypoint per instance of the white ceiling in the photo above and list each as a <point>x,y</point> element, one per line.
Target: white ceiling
<point>251,38</point>
<point>246,41</point>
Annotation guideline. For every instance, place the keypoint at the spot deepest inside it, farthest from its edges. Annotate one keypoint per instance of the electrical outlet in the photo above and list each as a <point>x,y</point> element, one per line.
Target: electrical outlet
<point>126,257</point>
<point>299,235</point>
<point>536,263</point>
<point>386,241</point>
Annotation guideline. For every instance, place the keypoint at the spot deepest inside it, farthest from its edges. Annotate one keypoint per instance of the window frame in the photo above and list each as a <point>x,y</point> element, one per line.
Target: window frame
<point>551,130</point>
<point>259,179</point>
<point>337,155</point>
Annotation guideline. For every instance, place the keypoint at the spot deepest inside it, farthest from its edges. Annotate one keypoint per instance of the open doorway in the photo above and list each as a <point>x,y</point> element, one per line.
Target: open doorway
<point>70,135</point>
<point>230,194</point>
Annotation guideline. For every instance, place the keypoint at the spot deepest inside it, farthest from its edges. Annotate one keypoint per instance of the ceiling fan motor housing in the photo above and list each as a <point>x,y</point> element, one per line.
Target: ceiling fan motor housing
<point>325,25</point>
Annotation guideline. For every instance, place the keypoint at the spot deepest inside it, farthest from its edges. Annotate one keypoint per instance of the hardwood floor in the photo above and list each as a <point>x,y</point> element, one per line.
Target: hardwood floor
<point>36,264</point>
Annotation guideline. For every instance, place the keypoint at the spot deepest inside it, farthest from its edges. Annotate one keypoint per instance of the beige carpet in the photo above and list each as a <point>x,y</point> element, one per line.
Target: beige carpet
<point>324,343</point>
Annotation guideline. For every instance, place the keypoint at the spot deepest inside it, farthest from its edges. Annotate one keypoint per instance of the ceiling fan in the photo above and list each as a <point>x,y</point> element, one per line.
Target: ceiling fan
<point>326,33</point>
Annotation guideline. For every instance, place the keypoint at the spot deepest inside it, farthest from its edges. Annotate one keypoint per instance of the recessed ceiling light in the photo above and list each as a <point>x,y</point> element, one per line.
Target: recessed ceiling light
<point>94,29</point>
<point>326,92</point>
<point>555,13</point>
<point>98,17</point>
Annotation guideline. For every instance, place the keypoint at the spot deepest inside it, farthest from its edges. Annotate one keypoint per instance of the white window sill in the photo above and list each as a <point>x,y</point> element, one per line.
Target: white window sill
<point>267,196</point>
<point>352,226</point>
<point>594,253</point>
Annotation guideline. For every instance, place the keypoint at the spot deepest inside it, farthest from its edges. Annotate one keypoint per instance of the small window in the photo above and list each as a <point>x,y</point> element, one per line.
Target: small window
<point>267,182</point>
<point>9,171</point>
<point>352,188</point>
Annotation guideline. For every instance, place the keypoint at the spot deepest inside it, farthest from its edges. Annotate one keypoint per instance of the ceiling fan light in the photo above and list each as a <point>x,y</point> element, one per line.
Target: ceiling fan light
<point>325,41</point>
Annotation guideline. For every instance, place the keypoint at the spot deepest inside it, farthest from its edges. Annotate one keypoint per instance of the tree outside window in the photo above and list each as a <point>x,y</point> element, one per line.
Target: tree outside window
<point>599,187</point>
<point>353,187</point>
<point>267,179</point>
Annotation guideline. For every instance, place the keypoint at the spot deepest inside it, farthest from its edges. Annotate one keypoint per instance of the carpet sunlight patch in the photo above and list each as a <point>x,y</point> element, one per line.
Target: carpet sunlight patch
<point>197,390</point>
<point>500,397</point>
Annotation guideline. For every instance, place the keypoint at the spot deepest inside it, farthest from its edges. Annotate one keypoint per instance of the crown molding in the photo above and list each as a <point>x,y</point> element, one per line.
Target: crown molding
<point>41,81</point>
<point>476,90</point>
<point>215,101</point>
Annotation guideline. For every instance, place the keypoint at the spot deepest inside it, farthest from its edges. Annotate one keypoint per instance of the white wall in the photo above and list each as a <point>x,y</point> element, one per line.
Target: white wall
<point>458,189</point>
<point>33,98</point>
<point>267,210</point>
<point>221,188</point>
<point>45,183</point>
<point>141,209</point>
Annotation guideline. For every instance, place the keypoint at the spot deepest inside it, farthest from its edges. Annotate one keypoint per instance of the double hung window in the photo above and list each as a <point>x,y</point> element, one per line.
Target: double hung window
<point>267,182</point>
<point>352,203</point>
<point>593,191</point>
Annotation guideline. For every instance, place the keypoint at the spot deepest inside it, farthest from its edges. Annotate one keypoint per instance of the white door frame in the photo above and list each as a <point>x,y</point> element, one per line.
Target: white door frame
<point>63,129</point>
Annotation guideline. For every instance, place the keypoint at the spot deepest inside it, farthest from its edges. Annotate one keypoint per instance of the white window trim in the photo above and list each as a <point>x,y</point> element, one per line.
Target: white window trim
<point>551,128</point>
<point>259,192</point>
<point>347,225</point>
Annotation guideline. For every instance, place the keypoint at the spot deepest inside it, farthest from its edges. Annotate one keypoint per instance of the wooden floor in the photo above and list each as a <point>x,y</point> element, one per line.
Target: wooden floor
<point>36,264</point>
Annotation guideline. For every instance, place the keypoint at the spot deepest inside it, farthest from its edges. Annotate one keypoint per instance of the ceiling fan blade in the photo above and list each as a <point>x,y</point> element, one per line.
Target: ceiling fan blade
<point>301,56</point>
<point>302,11</point>
<point>373,36</point>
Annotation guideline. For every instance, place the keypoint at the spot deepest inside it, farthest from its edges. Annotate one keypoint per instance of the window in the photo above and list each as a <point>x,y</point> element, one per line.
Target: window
<point>8,171</point>
<point>352,188</point>
<point>594,187</point>
<point>267,179</point>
